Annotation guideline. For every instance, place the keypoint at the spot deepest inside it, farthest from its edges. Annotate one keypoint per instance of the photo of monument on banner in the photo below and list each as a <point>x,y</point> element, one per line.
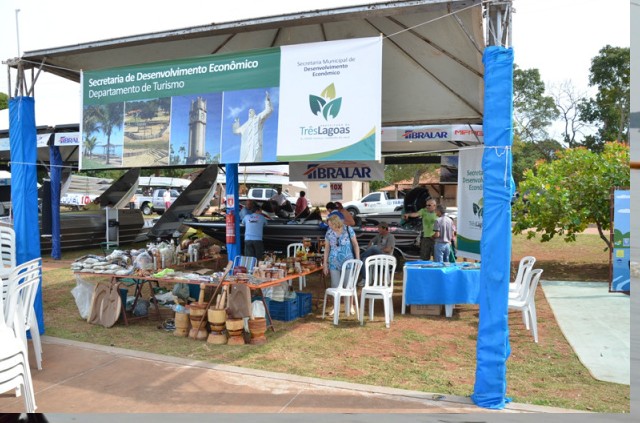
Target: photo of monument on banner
<point>195,128</point>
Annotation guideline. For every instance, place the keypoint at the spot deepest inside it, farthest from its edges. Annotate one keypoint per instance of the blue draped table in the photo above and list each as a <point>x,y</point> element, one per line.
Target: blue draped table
<point>448,285</point>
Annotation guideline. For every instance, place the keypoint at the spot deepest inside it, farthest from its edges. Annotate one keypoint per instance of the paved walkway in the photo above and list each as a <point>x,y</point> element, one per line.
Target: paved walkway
<point>87,378</point>
<point>596,324</point>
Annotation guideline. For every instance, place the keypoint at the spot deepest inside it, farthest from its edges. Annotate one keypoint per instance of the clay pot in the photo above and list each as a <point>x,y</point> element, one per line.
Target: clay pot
<point>234,324</point>
<point>181,320</point>
<point>197,309</point>
<point>216,328</point>
<point>237,332</point>
<point>217,315</point>
<point>182,332</point>
<point>198,335</point>
<point>195,323</point>
<point>235,340</point>
<point>257,328</point>
<point>219,338</point>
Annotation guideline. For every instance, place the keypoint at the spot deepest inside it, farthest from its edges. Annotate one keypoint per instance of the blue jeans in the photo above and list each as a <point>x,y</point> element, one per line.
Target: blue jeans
<point>442,251</point>
<point>254,249</point>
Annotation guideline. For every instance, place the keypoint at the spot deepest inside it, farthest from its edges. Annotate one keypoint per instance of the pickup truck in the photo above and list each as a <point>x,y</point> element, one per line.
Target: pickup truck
<point>375,202</point>
<point>157,201</point>
<point>263,194</point>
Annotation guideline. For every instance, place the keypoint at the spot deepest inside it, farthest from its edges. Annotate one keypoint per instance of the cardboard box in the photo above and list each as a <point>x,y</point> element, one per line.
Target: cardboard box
<point>426,309</point>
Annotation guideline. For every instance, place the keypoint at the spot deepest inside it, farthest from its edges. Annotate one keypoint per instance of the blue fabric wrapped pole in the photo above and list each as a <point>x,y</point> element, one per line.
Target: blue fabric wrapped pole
<point>24,186</point>
<point>233,249</point>
<point>495,246</point>
<point>56,175</point>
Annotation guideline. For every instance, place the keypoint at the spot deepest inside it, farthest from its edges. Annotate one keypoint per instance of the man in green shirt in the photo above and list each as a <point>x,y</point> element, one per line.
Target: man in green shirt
<point>428,215</point>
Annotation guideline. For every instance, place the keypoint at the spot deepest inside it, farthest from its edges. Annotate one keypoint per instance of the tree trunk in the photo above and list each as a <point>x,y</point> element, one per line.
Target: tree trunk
<point>604,237</point>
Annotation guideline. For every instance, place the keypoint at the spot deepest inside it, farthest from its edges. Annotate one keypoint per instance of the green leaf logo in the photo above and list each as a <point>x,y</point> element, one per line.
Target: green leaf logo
<point>478,208</point>
<point>327,104</point>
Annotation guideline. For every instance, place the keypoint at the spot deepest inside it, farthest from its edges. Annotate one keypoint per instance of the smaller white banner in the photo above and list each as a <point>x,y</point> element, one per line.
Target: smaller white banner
<point>41,141</point>
<point>430,133</point>
<point>336,191</point>
<point>470,202</point>
<point>332,171</point>
<point>67,138</point>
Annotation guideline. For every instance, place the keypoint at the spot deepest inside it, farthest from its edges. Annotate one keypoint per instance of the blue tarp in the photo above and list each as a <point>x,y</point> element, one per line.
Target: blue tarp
<point>24,186</point>
<point>231,169</point>
<point>495,245</point>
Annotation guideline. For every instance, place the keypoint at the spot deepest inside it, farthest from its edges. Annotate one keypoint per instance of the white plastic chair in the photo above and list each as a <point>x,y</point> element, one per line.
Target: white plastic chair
<point>378,284</point>
<point>527,304</point>
<point>23,284</point>
<point>346,288</point>
<point>517,288</point>
<point>291,252</point>
<point>14,360</point>
<point>246,261</point>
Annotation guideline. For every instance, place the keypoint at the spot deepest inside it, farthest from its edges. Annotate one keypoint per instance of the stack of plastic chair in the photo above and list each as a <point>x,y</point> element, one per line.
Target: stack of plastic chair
<point>346,289</point>
<point>378,284</point>
<point>245,261</point>
<point>517,288</point>
<point>291,252</point>
<point>25,318</point>
<point>14,360</point>
<point>527,303</point>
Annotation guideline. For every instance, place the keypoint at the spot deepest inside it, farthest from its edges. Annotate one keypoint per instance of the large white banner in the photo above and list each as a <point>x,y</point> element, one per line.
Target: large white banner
<point>317,101</point>
<point>330,97</point>
<point>470,203</point>
<point>337,171</point>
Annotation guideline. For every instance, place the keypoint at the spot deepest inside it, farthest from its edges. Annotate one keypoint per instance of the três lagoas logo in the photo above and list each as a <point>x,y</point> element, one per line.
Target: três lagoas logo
<point>326,103</point>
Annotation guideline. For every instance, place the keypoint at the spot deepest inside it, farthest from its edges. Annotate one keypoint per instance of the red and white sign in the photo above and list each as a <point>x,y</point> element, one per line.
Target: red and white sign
<point>336,191</point>
<point>230,201</point>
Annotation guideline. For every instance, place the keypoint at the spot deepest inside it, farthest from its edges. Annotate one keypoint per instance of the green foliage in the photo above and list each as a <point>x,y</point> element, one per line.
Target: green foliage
<point>527,154</point>
<point>533,111</point>
<point>4,101</point>
<point>610,71</point>
<point>397,173</point>
<point>566,195</point>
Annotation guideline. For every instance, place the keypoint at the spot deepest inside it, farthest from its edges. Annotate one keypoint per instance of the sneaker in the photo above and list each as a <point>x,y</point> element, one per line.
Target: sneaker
<point>361,284</point>
<point>353,310</point>
<point>331,313</point>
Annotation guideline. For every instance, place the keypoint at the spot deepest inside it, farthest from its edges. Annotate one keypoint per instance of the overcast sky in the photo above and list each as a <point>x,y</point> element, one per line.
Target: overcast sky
<point>559,37</point>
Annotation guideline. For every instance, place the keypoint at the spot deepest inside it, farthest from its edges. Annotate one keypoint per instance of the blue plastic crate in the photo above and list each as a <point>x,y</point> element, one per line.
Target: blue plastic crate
<point>284,310</point>
<point>304,303</point>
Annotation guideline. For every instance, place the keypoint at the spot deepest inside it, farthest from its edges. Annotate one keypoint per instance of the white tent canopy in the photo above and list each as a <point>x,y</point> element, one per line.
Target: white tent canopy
<point>432,52</point>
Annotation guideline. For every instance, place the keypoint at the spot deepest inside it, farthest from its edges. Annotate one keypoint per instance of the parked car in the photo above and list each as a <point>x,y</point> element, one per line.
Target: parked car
<point>374,202</point>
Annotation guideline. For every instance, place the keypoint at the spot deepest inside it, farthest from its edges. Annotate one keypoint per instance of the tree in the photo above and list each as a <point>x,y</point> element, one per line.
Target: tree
<point>609,111</point>
<point>527,154</point>
<point>106,118</point>
<point>4,101</point>
<point>566,195</point>
<point>568,101</point>
<point>533,112</point>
